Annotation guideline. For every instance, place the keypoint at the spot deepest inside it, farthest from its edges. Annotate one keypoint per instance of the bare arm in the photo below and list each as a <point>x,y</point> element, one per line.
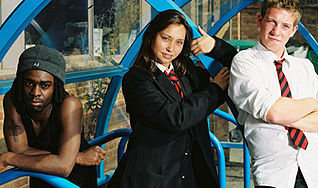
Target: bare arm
<point>16,140</point>
<point>61,164</point>
<point>14,131</point>
<point>308,123</point>
<point>286,110</point>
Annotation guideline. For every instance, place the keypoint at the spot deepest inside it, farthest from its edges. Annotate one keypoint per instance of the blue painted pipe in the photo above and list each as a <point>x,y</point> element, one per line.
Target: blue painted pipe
<point>55,181</point>
<point>221,159</point>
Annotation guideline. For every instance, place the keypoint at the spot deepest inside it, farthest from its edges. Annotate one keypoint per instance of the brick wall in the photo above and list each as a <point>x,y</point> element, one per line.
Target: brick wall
<point>310,21</point>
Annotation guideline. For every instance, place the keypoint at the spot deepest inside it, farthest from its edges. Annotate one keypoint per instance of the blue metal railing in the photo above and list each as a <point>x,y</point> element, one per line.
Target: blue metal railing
<point>17,21</point>
<point>246,154</point>
<point>124,133</point>
<point>56,181</point>
<point>221,159</point>
<point>28,9</point>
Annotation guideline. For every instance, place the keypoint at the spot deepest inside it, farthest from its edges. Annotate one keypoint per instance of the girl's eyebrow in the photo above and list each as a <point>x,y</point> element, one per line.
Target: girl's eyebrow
<point>166,34</point>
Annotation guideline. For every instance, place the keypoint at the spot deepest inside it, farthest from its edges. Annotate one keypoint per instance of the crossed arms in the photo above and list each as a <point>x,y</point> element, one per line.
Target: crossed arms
<point>252,90</point>
<point>28,158</point>
<point>298,113</point>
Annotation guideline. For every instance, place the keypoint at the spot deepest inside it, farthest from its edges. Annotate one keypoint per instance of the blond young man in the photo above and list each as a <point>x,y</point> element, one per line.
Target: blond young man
<point>277,102</point>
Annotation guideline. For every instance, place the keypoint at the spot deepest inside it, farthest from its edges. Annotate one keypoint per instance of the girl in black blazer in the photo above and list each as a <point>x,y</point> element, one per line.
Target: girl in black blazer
<point>169,145</point>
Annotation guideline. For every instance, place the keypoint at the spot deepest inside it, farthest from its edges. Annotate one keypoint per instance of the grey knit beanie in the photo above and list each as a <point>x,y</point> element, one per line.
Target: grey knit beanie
<point>42,58</point>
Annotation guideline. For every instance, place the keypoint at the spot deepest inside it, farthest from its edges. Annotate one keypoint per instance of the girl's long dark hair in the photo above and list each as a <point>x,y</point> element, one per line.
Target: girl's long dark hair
<point>16,94</point>
<point>145,58</point>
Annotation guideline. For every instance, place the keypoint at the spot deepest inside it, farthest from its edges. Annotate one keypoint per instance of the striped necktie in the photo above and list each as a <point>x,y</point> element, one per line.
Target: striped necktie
<point>172,76</point>
<point>297,136</point>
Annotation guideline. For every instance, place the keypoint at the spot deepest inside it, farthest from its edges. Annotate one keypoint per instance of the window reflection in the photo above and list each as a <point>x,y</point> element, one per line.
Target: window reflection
<point>64,25</point>
<point>61,25</point>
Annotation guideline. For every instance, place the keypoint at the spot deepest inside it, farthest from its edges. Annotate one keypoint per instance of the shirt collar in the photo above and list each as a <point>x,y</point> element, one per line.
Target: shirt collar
<point>270,56</point>
<point>163,68</point>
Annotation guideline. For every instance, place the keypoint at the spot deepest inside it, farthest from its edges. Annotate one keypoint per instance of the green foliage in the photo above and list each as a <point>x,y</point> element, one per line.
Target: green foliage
<point>94,98</point>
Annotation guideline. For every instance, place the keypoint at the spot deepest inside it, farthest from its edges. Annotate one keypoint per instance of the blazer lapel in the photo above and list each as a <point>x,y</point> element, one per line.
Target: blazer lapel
<point>165,85</point>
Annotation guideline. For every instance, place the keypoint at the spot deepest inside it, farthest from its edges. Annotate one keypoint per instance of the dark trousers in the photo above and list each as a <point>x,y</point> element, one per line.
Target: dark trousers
<point>300,181</point>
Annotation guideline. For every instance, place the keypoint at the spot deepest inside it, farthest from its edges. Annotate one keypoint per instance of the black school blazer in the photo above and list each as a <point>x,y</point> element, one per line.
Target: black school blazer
<point>164,125</point>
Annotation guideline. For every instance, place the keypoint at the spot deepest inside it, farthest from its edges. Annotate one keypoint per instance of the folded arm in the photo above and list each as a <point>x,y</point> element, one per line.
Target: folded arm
<point>24,157</point>
<point>308,123</point>
<point>286,110</point>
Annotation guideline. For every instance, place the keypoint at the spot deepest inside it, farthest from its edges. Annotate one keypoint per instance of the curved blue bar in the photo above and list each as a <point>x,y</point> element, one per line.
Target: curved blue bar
<point>55,181</point>
<point>18,20</point>
<point>168,4</point>
<point>219,24</point>
<point>5,86</point>
<point>225,115</point>
<point>131,54</point>
<point>124,133</point>
<point>215,67</point>
<point>121,148</point>
<point>308,37</point>
<point>110,136</point>
<point>247,165</point>
<point>107,106</point>
<point>105,114</point>
<point>106,178</point>
<point>77,76</point>
<point>221,159</point>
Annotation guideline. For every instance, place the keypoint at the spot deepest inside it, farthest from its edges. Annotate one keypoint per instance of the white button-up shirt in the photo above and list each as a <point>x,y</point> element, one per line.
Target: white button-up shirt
<point>163,68</point>
<point>254,87</point>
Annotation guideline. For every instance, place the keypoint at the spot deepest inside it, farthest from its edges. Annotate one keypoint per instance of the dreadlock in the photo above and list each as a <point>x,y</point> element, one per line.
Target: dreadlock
<point>16,94</point>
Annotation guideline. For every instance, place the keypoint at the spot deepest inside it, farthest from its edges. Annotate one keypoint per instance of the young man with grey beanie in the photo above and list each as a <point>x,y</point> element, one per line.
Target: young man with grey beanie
<point>42,125</point>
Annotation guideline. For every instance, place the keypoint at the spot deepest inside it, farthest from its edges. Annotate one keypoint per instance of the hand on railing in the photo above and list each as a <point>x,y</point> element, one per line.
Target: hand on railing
<point>3,165</point>
<point>92,156</point>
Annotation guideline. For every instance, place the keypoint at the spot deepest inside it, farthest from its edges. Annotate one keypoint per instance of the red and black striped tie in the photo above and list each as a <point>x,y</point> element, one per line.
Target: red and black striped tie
<point>172,76</point>
<point>297,136</point>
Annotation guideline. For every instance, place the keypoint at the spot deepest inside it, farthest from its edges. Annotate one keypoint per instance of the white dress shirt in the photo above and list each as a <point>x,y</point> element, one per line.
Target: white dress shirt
<point>163,68</point>
<point>254,87</point>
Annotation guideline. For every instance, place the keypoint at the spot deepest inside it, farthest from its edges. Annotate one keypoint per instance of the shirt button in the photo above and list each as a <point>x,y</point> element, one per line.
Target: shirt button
<point>186,153</point>
<point>183,177</point>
